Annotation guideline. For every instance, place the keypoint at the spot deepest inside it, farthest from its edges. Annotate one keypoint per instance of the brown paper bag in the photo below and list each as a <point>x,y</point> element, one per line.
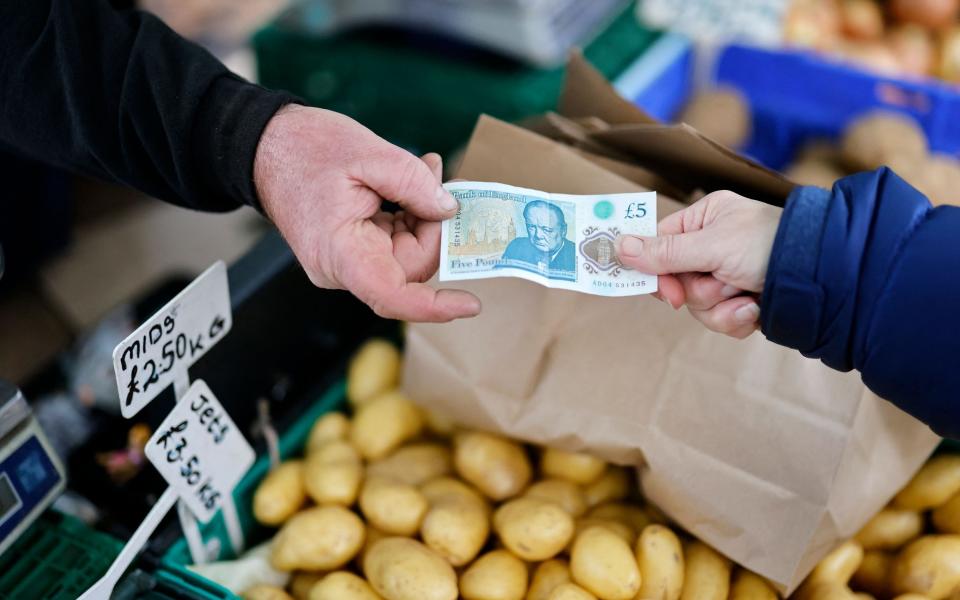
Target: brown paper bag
<point>770,457</point>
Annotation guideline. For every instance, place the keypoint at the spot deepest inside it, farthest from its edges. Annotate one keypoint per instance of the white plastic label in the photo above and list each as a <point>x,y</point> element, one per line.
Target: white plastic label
<point>172,339</point>
<point>200,452</point>
<point>760,21</point>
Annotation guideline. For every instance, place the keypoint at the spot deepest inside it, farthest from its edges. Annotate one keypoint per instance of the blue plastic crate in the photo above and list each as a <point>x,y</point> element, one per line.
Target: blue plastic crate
<point>661,80</point>
<point>796,96</point>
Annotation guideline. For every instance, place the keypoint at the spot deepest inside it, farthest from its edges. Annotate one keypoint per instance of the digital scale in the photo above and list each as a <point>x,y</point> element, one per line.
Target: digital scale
<point>31,475</point>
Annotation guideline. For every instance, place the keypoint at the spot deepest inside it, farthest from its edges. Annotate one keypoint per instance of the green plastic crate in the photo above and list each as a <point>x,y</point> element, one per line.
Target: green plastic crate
<point>425,99</point>
<point>291,443</point>
<point>57,558</point>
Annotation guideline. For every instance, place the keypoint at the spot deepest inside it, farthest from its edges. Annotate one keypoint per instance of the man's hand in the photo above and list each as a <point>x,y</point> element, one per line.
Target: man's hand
<point>711,256</point>
<point>322,178</point>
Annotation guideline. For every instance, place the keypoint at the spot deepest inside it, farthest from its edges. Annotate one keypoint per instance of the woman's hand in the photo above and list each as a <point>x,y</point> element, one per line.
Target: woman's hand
<point>711,256</point>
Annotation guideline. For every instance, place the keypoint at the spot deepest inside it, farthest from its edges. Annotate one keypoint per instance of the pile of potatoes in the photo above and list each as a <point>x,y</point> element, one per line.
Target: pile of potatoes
<point>395,503</point>
<point>908,551</point>
<point>901,38</point>
<point>881,138</point>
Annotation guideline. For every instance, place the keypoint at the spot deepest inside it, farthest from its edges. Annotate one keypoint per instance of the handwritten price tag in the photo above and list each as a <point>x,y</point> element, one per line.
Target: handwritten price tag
<point>200,452</point>
<point>173,339</point>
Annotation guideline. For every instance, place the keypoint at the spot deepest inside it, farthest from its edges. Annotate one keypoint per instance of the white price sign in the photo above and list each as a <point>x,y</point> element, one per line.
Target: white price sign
<point>200,452</point>
<point>173,339</point>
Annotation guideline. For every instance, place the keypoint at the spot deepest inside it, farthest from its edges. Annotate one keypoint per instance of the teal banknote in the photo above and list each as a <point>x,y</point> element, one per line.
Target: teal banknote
<point>556,240</point>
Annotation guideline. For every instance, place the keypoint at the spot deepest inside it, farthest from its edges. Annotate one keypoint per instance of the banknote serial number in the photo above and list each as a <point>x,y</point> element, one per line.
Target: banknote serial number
<point>618,284</point>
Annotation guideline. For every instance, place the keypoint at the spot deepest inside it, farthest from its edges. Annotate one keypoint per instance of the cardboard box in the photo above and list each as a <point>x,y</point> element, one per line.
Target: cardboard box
<point>768,456</point>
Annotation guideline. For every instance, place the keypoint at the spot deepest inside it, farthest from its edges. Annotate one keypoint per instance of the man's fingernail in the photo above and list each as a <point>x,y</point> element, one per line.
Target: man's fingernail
<point>748,313</point>
<point>729,290</point>
<point>446,200</point>
<point>629,246</point>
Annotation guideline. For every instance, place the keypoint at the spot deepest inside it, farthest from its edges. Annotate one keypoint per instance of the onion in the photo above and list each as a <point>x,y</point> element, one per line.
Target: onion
<point>934,14</point>
<point>914,48</point>
<point>950,56</point>
<point>862,19</point>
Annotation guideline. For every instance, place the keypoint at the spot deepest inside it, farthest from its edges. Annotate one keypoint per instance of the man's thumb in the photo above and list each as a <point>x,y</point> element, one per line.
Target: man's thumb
<point>401,177</point>
<point>667,254</point>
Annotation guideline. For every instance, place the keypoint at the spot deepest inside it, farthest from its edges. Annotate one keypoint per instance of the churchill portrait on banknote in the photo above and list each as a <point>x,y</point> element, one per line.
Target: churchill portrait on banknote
<point>546,247</point>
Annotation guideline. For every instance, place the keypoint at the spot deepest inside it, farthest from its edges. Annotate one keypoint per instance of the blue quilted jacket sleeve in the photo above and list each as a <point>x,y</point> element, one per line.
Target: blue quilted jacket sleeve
<point>867,277</point>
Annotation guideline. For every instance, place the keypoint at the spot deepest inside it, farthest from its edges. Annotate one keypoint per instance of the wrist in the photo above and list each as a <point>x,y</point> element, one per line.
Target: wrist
<point>229,124</point>
<point>269,157</point>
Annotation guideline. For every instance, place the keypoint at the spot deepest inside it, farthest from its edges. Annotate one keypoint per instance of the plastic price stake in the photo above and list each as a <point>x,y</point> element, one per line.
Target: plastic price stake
<point>200,451</point>
<point>154,355</point>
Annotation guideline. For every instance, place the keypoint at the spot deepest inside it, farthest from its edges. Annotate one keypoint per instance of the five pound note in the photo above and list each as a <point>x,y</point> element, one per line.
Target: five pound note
<point>556,240</point>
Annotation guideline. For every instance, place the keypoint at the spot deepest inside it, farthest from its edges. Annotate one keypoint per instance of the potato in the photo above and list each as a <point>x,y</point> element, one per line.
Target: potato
<point>373,536</point>
<point>632,516</point>
<point>375,369</point>
<point>655,514</point>
<point>332,474</point>
<point>747,585</point>
<point>441,488</point>
<point>880,138</point>
<point>330,427</point>
<point>318,538</point>
<point>570,591</point>
<point>946,517</point>
<point>889,529</point>
<point>280,494</point>
<point>929,565</point>
<point>612,486</point>
<point>706,574</point>
<point>565,494</point>
<point>839,565</point>
<point>546,577</point>
<point>533,529</point>
<point>384,423</point>
<point>825,590</point>
<point>622,530</point>
<point>872,574</point>
<point>456,528</point>
<point>266,592</point>
<point>498,467</point>
<point>661,564</point>
<point>497,575</point>
<point>816,173</point>
<point>721,114</point>
<point>577,467</point>
<point>939,179</point>
<point>603,564</point>
<point>343,585</point>
<point>405,569</point>
<point>393,507</point>
<point>414,463</point>
<point>934,484</point>
<point>302,582</point>
<point>438,424</point>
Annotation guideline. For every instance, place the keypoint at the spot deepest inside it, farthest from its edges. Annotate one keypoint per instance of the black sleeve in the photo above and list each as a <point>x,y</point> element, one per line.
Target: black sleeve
<point>119,96</point>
